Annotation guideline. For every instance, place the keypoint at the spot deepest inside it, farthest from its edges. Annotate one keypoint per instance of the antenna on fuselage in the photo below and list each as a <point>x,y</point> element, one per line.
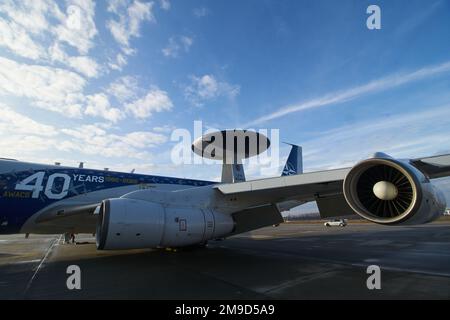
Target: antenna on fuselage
<point>81,165</point>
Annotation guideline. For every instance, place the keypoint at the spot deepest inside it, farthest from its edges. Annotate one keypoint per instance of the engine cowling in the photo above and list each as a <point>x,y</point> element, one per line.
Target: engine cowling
<point>132,224</point>
<point>389,191</point>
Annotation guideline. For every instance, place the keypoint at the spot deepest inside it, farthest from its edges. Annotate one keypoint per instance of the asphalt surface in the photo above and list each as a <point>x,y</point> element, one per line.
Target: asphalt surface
<point>292,261</point>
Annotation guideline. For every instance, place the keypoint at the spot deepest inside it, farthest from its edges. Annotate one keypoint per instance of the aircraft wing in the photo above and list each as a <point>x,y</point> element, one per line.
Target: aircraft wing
<point>324,187</point>
<point>303,185</point>
<point>309,185</point>
<point>433,167</point>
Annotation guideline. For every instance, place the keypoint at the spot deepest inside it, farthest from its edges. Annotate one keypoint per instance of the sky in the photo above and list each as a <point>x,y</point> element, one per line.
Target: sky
<point>108,82</point>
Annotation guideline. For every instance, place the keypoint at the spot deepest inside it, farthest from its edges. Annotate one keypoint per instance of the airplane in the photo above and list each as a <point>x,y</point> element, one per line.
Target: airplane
<point>130,211</point>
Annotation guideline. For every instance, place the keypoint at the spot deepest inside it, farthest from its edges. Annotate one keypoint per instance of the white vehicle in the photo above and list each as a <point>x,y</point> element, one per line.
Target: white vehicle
<point>336,223</point>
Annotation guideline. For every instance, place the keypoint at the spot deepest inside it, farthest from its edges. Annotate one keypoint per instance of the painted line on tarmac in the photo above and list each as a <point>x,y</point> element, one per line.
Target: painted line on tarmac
<point>281,252</point>
<point>47,253</point>
<point>395,269</point>
<point>24,262</point>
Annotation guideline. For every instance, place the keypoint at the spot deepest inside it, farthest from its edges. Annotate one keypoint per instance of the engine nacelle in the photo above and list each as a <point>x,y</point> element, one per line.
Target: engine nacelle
<point>389,191</point>
<point>131,224</point>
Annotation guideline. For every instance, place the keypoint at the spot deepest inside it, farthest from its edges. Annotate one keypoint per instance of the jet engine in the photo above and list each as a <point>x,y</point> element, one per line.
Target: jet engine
<point>130,224</point>
<point>389,191</point>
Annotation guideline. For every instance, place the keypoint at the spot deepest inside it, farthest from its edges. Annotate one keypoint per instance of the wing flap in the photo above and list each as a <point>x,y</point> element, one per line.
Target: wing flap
<point>433,167</point>
<point>256,217</point>
<point>333,206</point>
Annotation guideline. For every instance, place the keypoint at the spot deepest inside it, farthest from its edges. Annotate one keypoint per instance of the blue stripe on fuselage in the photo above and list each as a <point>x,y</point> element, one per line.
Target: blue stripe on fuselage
<point>16,206</point>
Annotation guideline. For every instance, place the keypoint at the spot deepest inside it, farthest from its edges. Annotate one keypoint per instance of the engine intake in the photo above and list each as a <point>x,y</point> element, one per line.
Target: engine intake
<point>388,191</point>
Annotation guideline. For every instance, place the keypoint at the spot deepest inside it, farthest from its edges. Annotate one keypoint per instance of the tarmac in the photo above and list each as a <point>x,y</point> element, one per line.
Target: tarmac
<point>291,261</point>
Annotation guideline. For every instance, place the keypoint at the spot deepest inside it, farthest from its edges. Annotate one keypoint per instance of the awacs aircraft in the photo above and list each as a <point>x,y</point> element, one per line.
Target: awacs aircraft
<point>128,211</point>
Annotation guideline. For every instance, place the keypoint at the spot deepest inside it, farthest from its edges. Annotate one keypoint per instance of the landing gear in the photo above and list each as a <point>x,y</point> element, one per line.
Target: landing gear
<point>69,237</point>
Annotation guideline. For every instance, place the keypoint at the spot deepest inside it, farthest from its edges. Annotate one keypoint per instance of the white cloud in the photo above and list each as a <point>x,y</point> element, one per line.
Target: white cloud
<point>164,129</point>
<point>82,64</point>
<point>144,139</point>
<point>77,26</point>
<point>340,146</point>
<point>131,16</point>
<point>124,88</point>
<point>98,106</point>
<point>207,88</point>
<point>31,19</point>
<point>23,136</point>
<point>12,122</point>
<point>200,12</point>
<point>28,29</point>
<point>92,140</point>
<point>155,100</point>
<point>20,146</point>
<point>385,83</point>
<point>176,45</point>
<point>50,88</point>
<point>164,4</point>
<point>16,39</point>
<point>31,14</point>
<point>119,62</point>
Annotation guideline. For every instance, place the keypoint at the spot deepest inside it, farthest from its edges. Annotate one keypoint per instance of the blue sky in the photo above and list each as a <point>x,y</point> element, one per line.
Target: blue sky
<point>107,82</point>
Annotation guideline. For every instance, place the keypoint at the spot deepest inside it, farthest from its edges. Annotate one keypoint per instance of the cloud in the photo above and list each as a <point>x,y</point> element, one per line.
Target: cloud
<point>27,26</point>
<point>416,18</point>
<point>30,14</point>
<point>164,4</point>
<point>164,129</point>
<point>144,139</point>
<point>82,64</point>
<point>98,105</point>
<point>155,100</point>
<point>176,45</point>
<point>21,146</point>
<point>130,17</point>
<point>119,62</point>
<point>77,27</point>
<point>385,83</point>
<point>28,139</point>
<point>30,18</point>
<point>13,122</point>
<point>62,91</point>
<point>344,145</point>
<point>17,40</point>
<point>49,88</point>
<point>200,12</point>
<point>92,140</point>
<point>206,88</point>
<point>56,41</point>
<point>124,89</point>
